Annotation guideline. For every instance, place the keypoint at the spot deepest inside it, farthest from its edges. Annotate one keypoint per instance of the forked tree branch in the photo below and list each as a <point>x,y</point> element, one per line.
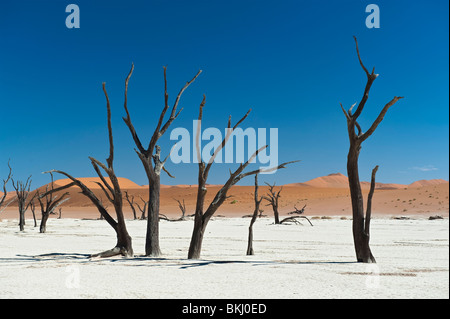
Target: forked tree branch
<point>352,118</point>
<point>380,118</point>
<point>370,79</point>
<point>160,127</point>
<point>85,191</point>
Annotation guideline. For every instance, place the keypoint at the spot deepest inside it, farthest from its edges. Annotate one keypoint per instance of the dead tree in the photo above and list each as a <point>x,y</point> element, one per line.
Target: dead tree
<point>22,192</point>
<point>112,192</point>
<point>182,207</point>
<point>130,200</point>
<point>254,216</point>
<point>151,160</point>
<point>202,217</point>
<point>33,209</point>
<point>5,191</point>
<point>298,213</point>
<point>357,137</point>
<point>272,197</point>
<point>49,203</point>
<point>142,209</point>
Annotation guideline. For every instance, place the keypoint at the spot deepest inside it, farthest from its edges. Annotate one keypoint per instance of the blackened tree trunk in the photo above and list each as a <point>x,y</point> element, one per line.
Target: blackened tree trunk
<point>201,217</point>
<point>361,221</point>
<point>22,192</point>
<point>151,160</point>
<point>43,225</point>
<point>152,247</point>
<point>253,220</point>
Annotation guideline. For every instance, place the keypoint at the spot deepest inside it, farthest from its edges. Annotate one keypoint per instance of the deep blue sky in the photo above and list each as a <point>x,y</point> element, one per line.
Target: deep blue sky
<point>292,62</point>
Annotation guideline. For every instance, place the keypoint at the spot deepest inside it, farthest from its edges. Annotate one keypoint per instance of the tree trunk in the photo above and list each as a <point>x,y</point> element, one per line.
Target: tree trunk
<point>255,215</point>
<point>152,238</point>
<point>43,226</point>
<point>195,246</point>
<point>124,242</point>
<point>21,218</point>
<point>250,238</point>
<point>360,238</point>
<point>276,214</point>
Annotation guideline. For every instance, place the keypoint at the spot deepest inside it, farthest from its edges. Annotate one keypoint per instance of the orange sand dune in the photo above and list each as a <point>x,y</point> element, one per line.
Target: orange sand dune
<point>91,182</point>
<point>431,182</point>
<point>338,180</point>
<point>329,196</point>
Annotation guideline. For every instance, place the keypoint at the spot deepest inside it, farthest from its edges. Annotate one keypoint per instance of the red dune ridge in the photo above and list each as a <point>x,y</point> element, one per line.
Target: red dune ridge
<point>326,195</point>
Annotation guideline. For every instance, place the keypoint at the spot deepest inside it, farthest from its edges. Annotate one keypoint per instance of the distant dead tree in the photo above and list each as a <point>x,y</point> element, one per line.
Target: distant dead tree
<point>151,160</point>
<point>130,200</point>
<point>361,223</point>
<point>272,197</point>
<point>49,203</point>
<point>5,191</point>
<point>22,192</point>
<point>182,207</point>
<point>112,192</point>
<point>33,211</point>
<point>298,214</point>
<point>254,216</point>
<point>142,209</point>
<point>202,217</point>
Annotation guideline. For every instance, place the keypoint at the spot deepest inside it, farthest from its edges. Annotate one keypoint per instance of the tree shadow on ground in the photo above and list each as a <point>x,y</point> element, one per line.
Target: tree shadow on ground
<point>146,261</point>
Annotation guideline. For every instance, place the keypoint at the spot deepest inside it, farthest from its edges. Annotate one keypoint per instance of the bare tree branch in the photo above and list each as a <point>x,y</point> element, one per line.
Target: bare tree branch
<point>369,202</point>
<point>380,118</point>
<point>370,79</point>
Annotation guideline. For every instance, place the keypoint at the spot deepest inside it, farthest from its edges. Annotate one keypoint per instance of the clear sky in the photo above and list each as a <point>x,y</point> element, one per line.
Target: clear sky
<point>292,62</point>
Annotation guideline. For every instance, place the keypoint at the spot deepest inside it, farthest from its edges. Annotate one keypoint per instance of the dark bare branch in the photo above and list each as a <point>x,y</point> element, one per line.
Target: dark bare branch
<point>159,131</point>
<point>110,159</point>
<point>127,119</point>
<point>370,79</point>
<point>224,141</point>
<point>88,193</point>
<point>380,118</point>
<point>95,163</point>
<point>294,219</point>
<point>359,58</point>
